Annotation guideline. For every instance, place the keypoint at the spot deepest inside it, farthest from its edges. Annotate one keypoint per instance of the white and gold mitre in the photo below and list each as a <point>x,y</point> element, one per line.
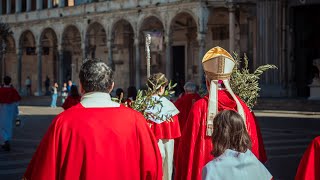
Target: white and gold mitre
<point>218,65</point>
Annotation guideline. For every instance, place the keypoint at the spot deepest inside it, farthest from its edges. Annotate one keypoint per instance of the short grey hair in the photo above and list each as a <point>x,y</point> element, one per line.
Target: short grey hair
<point>190,87</point>
<point>95,76</point>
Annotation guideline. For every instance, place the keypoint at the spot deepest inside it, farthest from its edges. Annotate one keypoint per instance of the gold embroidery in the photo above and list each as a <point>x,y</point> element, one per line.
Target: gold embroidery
<point>216,52</point>
<point>217,76</point>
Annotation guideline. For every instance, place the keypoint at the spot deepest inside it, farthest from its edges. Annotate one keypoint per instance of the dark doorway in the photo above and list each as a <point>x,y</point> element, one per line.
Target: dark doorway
<point>66,66</point>
<point>307,46</point>
<point>178,75</point>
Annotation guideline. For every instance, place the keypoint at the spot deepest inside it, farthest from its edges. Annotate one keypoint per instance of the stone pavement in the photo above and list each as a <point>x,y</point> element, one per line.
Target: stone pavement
<point>286,135</point>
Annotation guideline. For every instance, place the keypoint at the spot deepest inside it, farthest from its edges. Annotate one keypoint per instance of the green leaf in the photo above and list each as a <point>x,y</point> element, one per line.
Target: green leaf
<point>246,84</point>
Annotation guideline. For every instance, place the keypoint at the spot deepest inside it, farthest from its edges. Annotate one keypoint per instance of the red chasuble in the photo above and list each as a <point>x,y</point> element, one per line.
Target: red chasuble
<point>97,143</point>
<point>9,95</point>
<point>184,105</point>
<point>309,167</point>
<point>167,129</point>
<point>71,101</point>
<point>195,147</point>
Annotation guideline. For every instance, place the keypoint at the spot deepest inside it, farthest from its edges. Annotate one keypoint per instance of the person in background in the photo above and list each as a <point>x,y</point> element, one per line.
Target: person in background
<point>184,104</point>
<point>64,92</point>
<point>97,139</point>
<point>165,125</point>
<point>119,95</point>
<point>233,157</point>
<point>73,99</point>
<point>28,86</point>
<point>9,99</point>
<point>132,94</point>
<point>54,95</point>
<point>69,86</point>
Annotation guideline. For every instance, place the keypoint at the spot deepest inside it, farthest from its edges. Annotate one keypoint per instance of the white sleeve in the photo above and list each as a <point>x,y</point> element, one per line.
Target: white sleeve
<point>207,173</point>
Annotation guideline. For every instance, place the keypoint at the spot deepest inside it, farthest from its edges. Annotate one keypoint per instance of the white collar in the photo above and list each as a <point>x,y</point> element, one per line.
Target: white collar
<point>97,99</point>
<point>164,109</point>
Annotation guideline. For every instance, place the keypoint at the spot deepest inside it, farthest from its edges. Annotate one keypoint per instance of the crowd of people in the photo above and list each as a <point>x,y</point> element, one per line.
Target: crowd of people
<point>192,138</point>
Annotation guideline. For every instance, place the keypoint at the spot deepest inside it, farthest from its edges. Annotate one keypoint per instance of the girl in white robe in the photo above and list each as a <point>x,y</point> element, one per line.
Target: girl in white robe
<point>233,158</point>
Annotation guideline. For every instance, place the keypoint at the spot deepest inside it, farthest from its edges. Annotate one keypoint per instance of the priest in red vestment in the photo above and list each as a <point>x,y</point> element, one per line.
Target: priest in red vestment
<point>184,104</point>
<point>195,143</point>
<point>9,99</point>
<point>97,138</point>
<point>309,167</point>
<point>165,125</point>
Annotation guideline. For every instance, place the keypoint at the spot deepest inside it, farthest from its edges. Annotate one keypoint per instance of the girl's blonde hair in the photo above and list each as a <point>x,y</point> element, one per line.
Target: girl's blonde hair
<point>156,79</point>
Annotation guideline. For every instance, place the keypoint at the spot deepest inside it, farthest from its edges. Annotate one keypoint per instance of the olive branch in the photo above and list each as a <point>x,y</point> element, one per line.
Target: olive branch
<point>145,100</point>
<point>246,84</point>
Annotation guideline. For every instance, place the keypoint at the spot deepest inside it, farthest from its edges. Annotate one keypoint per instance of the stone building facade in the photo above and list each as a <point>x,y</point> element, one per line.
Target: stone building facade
<point>53,37</point>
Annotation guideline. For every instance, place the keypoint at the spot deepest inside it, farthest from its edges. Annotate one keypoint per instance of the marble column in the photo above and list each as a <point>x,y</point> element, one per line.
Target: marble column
<point>201,40</point>
<point>61,3</point>
<point>84,49</point>
<point>8,6</point>
<point>137,62</point>
<point>168,57</point>
<point>269,46</point>
<point>49,4</point>
<point>39,4</point>
<point>39,65</point>
<point>18,6</point>
<point>232,21</point>
<point>203,15</point>
<point>19,53</point>
<point>110,54</point>
<point>60,65</point>
<point>1,4</point>
<point>28,8</point>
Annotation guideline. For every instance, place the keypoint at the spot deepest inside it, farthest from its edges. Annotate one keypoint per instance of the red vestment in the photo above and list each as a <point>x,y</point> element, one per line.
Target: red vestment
<point>97,143</point>
<point>309,167</point>
<point>167,129</point>
<point>195,147</point>
<point>128,102</point>
<point>9,95</point>
<point>184,104</point>
<point>71,101</point>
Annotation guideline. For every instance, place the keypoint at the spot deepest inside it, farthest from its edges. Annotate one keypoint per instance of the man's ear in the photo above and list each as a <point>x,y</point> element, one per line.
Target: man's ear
<point>111,88</point>
<point>81,89</point>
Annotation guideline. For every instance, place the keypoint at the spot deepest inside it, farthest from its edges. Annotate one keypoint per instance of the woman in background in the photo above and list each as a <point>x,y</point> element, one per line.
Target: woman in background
<point>73,99</point>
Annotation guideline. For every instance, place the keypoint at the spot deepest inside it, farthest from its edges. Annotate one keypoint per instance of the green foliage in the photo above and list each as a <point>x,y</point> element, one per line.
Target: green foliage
<point>144,99</point>
<point>246,84</point>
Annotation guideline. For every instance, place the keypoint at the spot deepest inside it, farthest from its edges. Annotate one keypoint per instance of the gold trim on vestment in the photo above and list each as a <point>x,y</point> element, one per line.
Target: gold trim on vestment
<point>217,76</point>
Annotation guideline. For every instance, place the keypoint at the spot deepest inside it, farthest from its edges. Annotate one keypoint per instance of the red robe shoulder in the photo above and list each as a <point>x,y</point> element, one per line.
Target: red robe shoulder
<point>71,101</point>
<point>97,143</point>
<point>195,147</point>
<point>309,167</point>
<point>9,95</point>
